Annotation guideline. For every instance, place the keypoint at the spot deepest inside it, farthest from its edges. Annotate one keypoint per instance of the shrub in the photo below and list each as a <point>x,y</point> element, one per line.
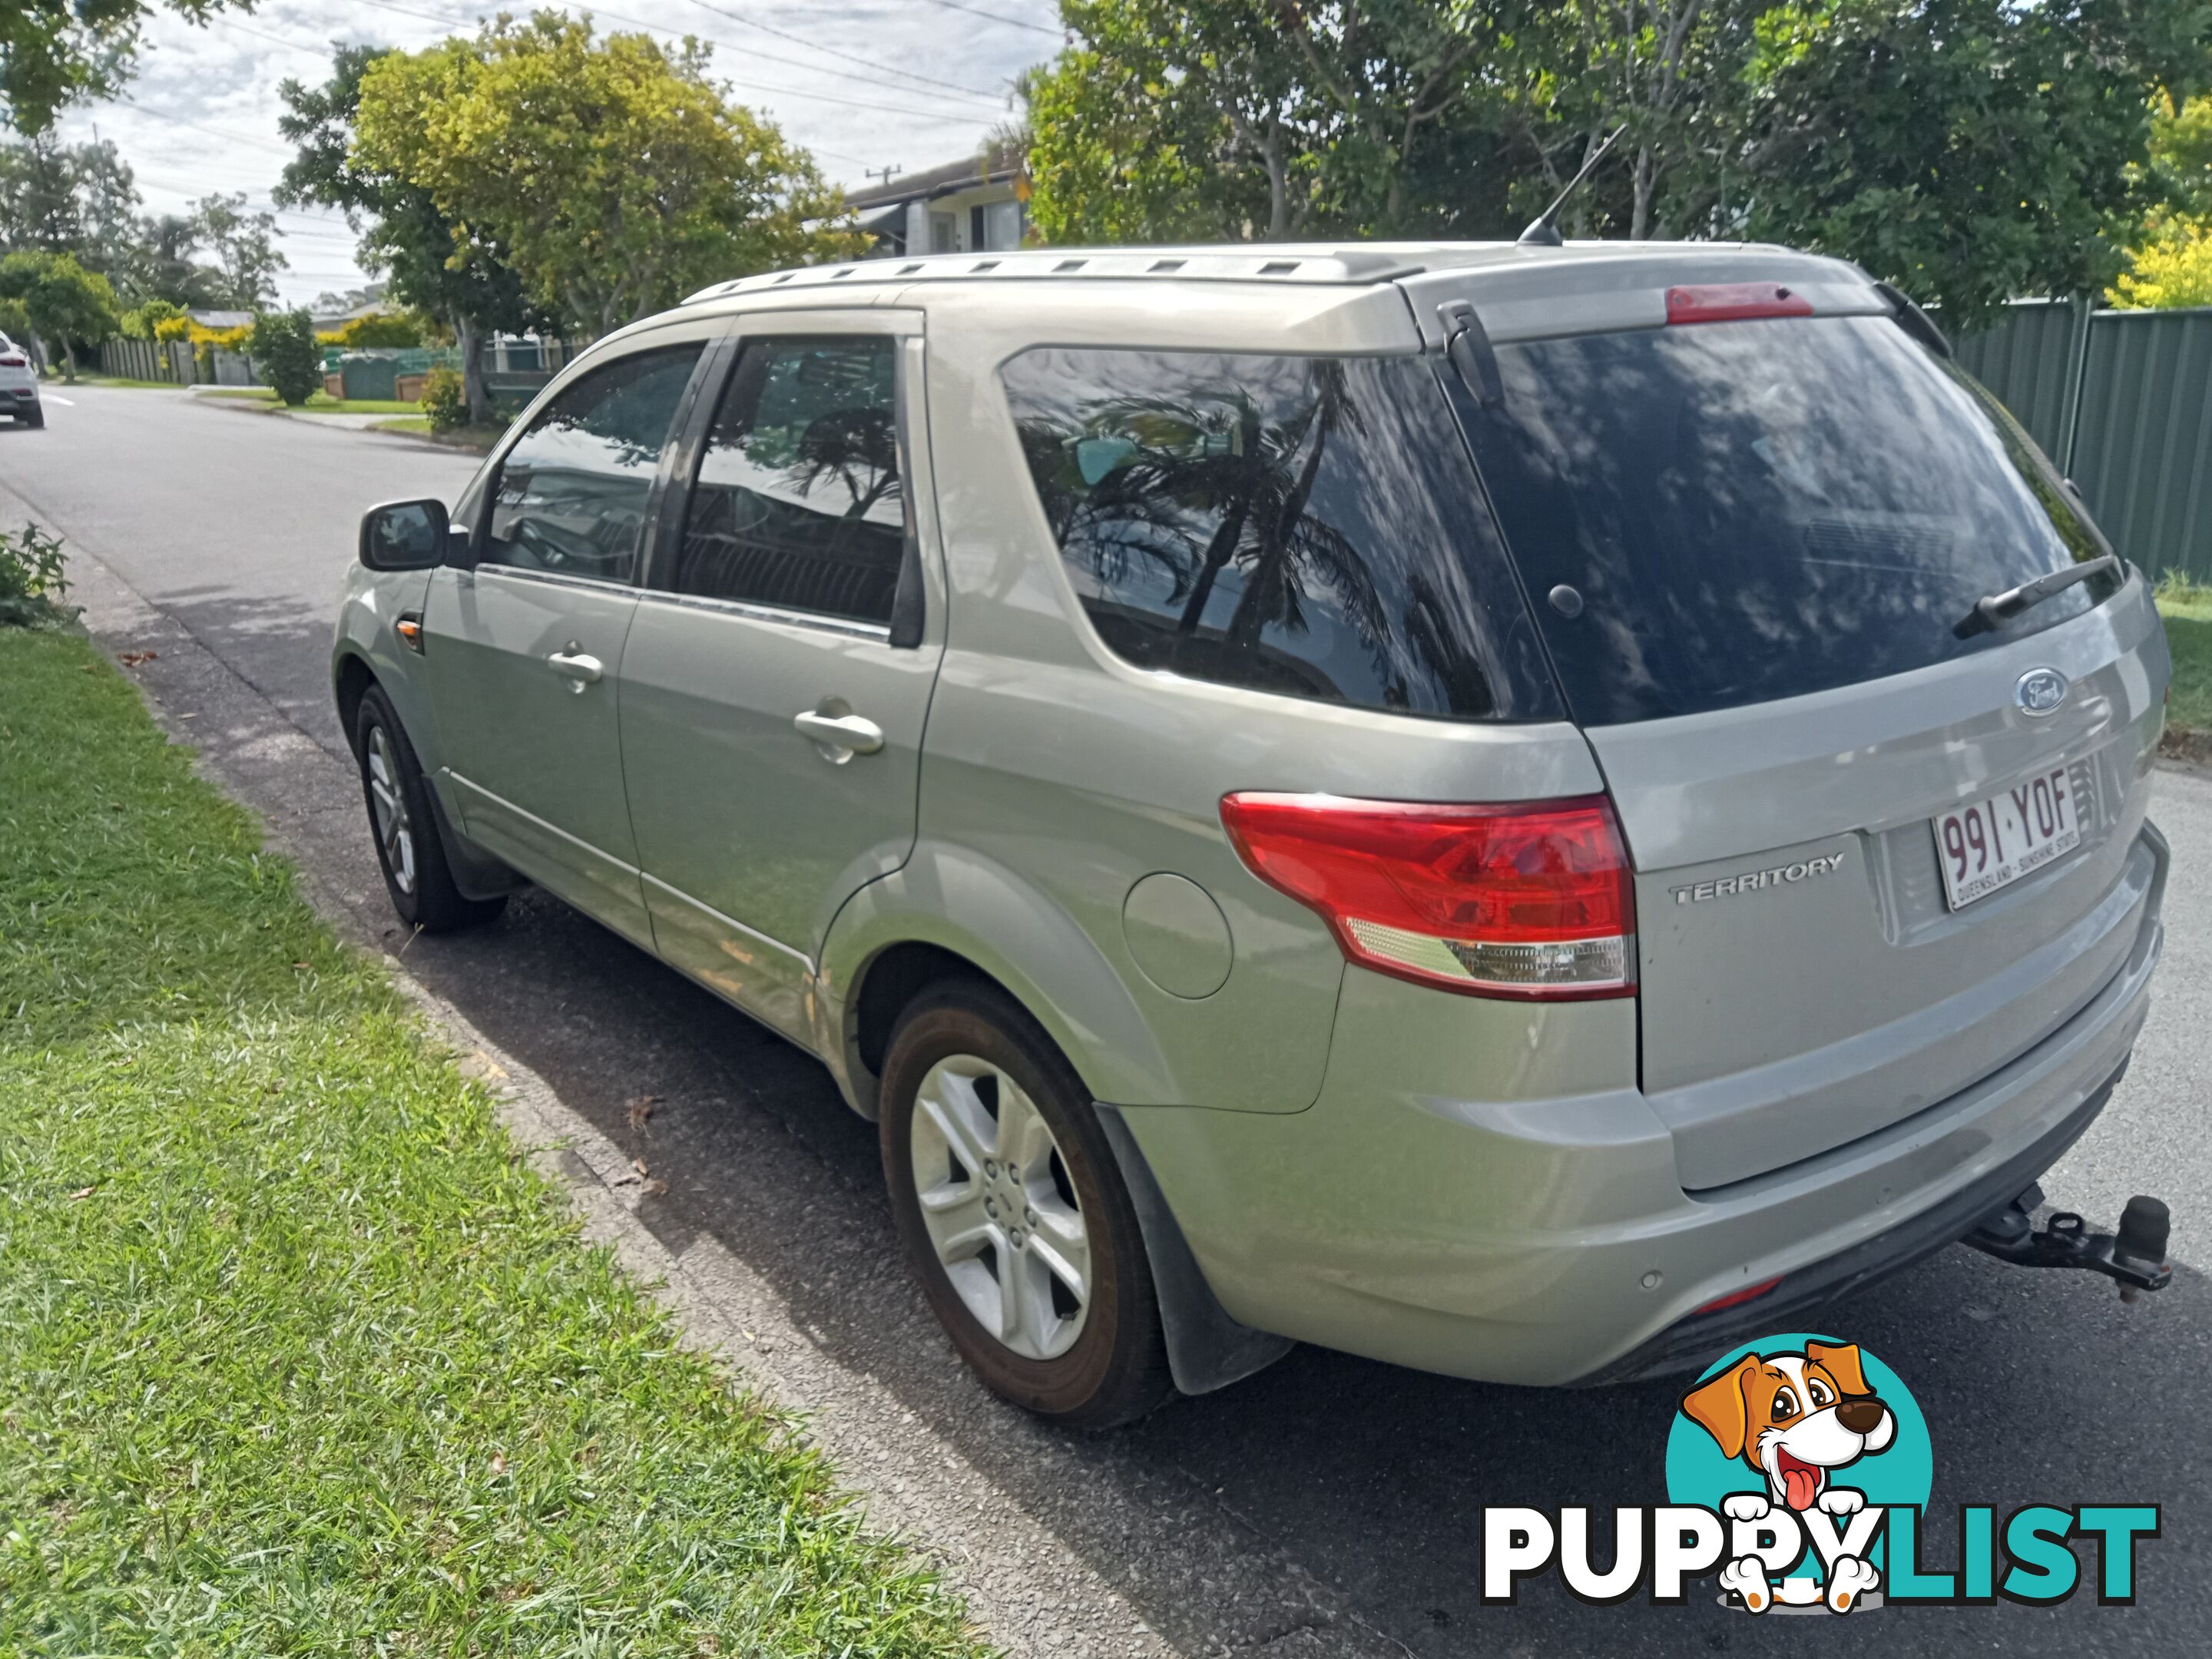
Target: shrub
<point>31,581</point>
<point>390,328</point>
<point>284,349</point>
<point>142,322</point>
<point>445,399</point>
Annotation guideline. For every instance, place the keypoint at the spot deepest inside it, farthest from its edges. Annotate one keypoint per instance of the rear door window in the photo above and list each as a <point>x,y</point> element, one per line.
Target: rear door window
<point>1763,509</point>
<point>798,503</point>
<point>1303,526</point>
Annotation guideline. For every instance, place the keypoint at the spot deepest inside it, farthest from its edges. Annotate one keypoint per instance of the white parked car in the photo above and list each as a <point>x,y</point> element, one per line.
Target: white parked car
<point>18,384</point>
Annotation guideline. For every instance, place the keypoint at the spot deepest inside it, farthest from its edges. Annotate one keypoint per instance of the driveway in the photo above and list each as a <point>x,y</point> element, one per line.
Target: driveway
<point>1328,1505</point>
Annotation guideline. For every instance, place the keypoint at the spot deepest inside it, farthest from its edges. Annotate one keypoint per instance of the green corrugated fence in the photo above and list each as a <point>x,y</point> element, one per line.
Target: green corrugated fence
<point>2121,401</point>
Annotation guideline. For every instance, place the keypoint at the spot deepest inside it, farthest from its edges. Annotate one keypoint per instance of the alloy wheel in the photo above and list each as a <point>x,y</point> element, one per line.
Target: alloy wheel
<point>999,1207</point>
<point>395,825</point>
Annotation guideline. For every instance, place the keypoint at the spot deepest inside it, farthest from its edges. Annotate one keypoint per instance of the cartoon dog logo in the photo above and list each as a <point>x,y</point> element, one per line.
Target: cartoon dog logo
<point>1795,1418</point>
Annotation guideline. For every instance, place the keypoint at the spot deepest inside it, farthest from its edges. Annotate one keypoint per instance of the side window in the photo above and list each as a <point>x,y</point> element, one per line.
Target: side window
<point>1306,525</point>
<point>797,504</point>
<point>571,494</point>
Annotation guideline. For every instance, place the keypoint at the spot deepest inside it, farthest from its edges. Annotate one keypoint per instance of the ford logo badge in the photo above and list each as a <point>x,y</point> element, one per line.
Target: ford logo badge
<point>2040,691</point>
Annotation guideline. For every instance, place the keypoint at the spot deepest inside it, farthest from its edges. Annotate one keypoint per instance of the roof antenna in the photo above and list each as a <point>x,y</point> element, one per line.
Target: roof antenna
<point>1542,231</point>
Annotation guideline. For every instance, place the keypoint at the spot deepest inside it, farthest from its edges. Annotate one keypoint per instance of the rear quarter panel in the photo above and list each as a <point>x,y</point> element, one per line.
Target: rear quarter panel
<point>1051,761</point>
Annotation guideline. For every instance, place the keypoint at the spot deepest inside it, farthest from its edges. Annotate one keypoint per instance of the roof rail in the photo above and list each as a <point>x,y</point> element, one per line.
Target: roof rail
<point>1267,263</point>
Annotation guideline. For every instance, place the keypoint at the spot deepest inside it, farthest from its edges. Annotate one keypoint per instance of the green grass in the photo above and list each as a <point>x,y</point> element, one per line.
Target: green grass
<point>320,403</point>
<point>2188,612</point>
<point>476,440</point>
<point>295,1357</point>
<point>84,378</point>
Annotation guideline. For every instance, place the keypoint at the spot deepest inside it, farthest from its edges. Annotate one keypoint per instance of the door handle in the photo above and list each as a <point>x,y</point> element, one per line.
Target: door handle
<point>581,669</point>
<point>840,736</point>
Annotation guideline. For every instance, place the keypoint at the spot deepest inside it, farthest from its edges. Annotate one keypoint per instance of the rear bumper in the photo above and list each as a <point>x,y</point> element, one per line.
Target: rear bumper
<point>1692,1344</point>
<point>1549,1239</point>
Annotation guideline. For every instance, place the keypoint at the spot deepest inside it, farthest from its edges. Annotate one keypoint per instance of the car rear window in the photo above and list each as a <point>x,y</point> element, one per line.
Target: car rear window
<point>1306,525</point>
<point>1758,509</point>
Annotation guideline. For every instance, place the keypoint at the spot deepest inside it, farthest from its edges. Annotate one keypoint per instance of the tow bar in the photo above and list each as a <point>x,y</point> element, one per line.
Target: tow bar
<point>2135,1255</point>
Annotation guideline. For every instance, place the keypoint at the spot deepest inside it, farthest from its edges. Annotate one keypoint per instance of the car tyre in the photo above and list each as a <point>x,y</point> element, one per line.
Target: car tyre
<point>404,825</point>
<point>1038,1272</point>
<point>34,416</point>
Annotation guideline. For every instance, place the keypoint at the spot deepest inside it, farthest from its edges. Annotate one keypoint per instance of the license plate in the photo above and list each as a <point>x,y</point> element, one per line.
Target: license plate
<point>1994,842</point>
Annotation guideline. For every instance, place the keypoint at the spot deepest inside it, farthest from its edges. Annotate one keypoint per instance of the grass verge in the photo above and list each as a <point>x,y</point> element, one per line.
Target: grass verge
<point>295,1357</point>
<point>476,440</point>
<point>320,403</point>
<point>2188,613</point>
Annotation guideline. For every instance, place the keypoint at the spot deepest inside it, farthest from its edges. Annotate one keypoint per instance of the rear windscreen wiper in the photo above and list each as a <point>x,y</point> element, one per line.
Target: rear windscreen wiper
<point>1994,610</point>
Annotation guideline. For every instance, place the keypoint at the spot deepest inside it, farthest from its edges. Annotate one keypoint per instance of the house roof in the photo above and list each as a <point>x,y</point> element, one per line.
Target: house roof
<point>994,166</point>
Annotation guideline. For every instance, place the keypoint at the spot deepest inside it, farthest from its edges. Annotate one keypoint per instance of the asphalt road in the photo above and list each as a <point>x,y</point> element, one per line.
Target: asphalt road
<point>1329,1504</point>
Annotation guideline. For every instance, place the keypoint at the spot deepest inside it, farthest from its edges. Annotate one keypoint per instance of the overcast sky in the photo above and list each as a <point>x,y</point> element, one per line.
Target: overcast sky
<point>931,80</point>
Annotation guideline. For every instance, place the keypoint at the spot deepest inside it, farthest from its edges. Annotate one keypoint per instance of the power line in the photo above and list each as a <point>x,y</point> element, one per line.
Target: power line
<point>749,86</point>
<point>850,57</point>
<point>999,17</point>
<point>274,40</point>
<point>213,132</point>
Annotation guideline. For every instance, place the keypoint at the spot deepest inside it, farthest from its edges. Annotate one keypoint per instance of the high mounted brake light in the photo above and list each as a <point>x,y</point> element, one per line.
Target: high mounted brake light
<point>1729,302</point>
<point>1530,899</point>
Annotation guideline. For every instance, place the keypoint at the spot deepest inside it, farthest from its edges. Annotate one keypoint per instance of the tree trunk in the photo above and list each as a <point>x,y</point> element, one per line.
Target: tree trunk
<point>1647,179</point>
<point>69,360</point>
<point>470,338</point>
<point>1279,194</point>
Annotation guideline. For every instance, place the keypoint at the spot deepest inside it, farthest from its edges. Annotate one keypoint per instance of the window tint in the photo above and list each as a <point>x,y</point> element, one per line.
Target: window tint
<point>1307,526</point>
<point>797,504</point>
<point>1760,509</point>
<point>572,493</point>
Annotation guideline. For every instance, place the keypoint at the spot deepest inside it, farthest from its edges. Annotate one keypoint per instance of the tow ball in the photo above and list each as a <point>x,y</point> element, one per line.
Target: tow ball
<point>2135,1255</point>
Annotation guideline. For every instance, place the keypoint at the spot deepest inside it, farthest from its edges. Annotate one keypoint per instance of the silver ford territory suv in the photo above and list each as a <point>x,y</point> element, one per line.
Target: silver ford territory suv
<point>1519,812</point>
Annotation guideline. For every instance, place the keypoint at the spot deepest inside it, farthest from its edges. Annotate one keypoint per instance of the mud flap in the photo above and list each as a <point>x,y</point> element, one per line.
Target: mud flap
<point>1206,1349</point>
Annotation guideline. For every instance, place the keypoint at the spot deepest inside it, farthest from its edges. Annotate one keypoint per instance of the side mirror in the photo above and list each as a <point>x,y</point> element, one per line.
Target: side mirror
<point>405,534</point>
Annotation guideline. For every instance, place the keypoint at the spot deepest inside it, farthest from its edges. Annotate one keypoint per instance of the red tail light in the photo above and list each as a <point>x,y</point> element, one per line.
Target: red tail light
<point>13,360</point>
<point>1727,303</point>
<point>1527,900</point>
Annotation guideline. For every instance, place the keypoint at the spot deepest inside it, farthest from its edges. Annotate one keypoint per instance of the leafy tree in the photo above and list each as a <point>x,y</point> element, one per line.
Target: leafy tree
<point>54,53</point>
<point>70,199</point>
<point>1169,121</point>
<point>456,273</point>
<point>283,348</point>
<point>2172,267</point>
<point>1968,150</point>
<point>244,249</point>
<point>66,302</point>
<point>1165,119</point>
<point>614,175</point>
<point>2171,263</point>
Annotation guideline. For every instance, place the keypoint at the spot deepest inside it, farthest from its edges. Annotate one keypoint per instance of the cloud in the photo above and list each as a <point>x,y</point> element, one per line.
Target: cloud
<point>201,115</point>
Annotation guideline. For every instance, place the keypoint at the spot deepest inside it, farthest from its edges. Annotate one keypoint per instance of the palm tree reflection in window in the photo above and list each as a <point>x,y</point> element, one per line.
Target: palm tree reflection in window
<point>1267,522</point>
<point>798,502</point>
